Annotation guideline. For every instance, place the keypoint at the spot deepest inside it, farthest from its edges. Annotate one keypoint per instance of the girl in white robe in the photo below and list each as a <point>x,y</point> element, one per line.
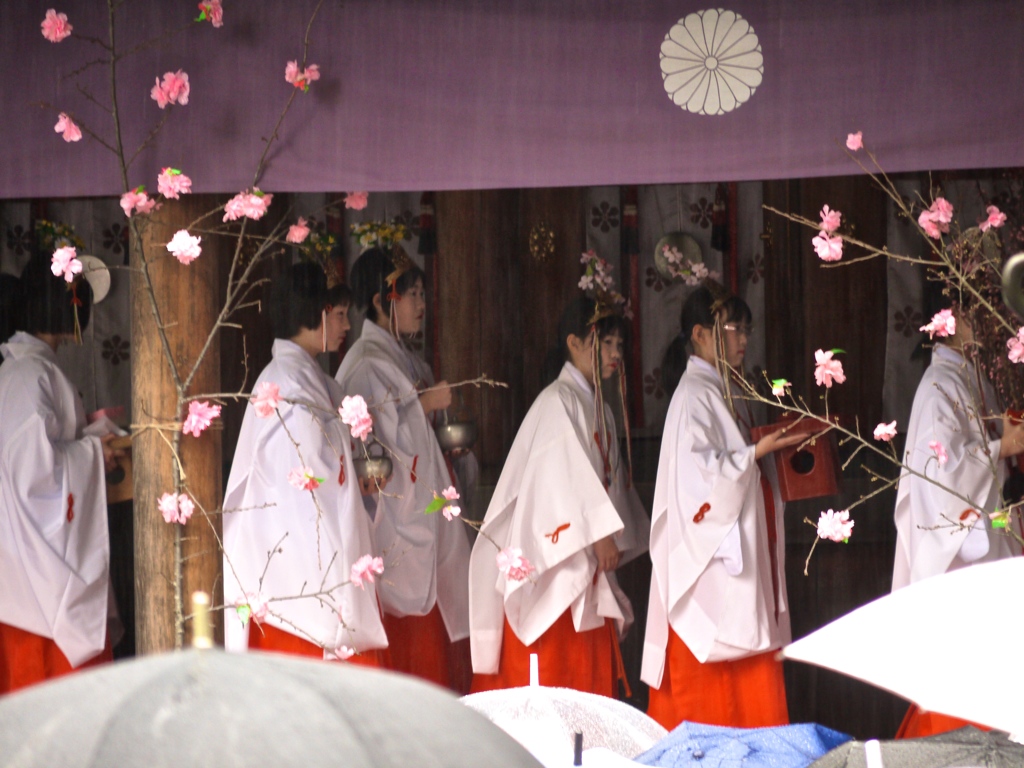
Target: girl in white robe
<point>565,501</point>
<point>717,604</point>
<point>425,592</point>
<point>54,546</point>
<point>314,543</point>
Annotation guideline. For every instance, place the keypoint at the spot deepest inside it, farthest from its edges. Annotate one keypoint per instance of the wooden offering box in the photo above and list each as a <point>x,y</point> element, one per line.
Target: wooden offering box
<point>806,471</point>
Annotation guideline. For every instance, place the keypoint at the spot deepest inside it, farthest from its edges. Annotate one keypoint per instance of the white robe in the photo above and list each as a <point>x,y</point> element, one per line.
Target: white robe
<point>314,555</point>
<point>553,479</point>
<point>928,541</point>
<point>54,572</point>
<point>705,459</point>
<point>427,555</point>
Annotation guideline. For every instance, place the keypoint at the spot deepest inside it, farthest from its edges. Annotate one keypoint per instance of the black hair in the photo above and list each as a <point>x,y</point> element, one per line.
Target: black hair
<point>697,311</point>
<point>48,301</point>
<point>298,299</point>
<point>576,320</point>
<point>10,305</point>
<point>369,274</point>
<point>339,295</point>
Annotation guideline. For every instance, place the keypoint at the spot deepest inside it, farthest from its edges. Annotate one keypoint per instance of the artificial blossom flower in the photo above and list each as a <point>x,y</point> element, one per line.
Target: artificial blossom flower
<point>828,247</point>
<point>175,508</point>
<point>943,324</point>
<point>364,569</point>
<point>996,218</point>
<point>341,653</point>
<point>451,511</point>
<point>137,200</point>
<point>55,26</point>
<point>184,247</point>
<point>303,479</point>
<point>173,90</point>
<point>511,562</point>
<point>65,263</point>
<point>67,127</point>
<point>779,387</point>
<point>200,415</point>
<point>835,525</point>
<point>827,369</point>
<point>251,205</point>
<point>356,201</point>
<point>885,432</point>
<point>301,79</point>
<point>940,452</point>
<point>252,606</point>
<point>212,10</point>
<point>171,182</point>
<point>297,232</point>
<point>1016,347</point>
<point>266,399</point>
<point>830,219</point>
<point>855,141</point>
<point>354,413</point>
<point>935,221</point>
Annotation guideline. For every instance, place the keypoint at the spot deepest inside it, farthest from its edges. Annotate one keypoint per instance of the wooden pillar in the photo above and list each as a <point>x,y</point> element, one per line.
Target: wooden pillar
<point>188,300</point>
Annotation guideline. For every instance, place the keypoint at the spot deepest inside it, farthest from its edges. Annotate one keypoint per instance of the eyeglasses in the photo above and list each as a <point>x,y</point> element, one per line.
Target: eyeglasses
<point>743,329</point>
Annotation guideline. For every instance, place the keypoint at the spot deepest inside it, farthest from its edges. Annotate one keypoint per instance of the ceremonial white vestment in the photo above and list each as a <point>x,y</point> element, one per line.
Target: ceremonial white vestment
<point>551,502</point>
<point>427,556</point>
<point>949,406</point>
<point>712,569</point>
<point>315,551</point>
<point>54,545</point>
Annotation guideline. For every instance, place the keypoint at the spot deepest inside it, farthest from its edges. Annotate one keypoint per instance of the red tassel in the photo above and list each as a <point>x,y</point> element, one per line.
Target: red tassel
<point>414,460</point>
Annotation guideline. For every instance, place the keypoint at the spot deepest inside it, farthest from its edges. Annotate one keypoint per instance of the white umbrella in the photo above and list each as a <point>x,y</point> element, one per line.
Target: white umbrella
<point>949,643</point>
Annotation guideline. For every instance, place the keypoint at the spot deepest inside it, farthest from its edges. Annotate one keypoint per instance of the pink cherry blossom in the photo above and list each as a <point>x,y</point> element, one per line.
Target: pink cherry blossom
<point>835,525</point>
<point>364,568</point>
<point>855,141</point>
<point>55,26</point>
<point>173,90</point>
<point>65,263</point>
<point>1016,347</point>
<point>827,370</point>
<point>297,232</point>
<point>171,182</point>
<point>303,479</point>
<point>185,508</point>
<point>943,324</point>
<point>451,511</point>
<point>779,387</point>
<point>830,220</point>
<point>137,200</point>
<point>266,399</point>
<point>356,201</point>
<point>940,452</point>
<point>67,128</point>
<point>184,247</point>
<point>353,412</point>
<point>828,248</point>
<point>175,509</point>
<point>251,205</point>
<point>159,95</point>
<point>341,653</point>
<point>885,432</point>
<point>512,563</point>
<point>927,222</point>
<point>212,10</point>
<point>301,79</point>
<point>996,218</point>
<point>200,415</point>
<point>942,211</point>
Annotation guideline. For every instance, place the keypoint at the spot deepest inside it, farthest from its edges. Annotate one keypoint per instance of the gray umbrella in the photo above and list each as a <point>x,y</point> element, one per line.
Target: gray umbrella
<point>968,746</point>
<point>210,708</point>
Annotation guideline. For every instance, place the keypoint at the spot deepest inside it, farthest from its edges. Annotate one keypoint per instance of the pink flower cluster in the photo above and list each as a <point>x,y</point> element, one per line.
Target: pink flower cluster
<point>65,263</point>
<point>200,415</point>
<point>137,200</point>
<point>176,508</point>
<point>353,412</point>
<point>779,387</point>
<point>297,232</point>
<point>598,274</point>
<point>55,26</point>
<point>364,569</point>
<point>184,247</point>
<point>940,452</point>
<point>830,220</point>
<point>171,182</point>
<point>995,218</point>
<point>943,324</point>
<point>885,432</point>
<point>451,511</point>
<point>356,201</point>
<point>212,10</point>
<point>679,266</point>
<point>301,79</point>
<point>855,141</point>
<point>251,205</point>
<point>303,479</point>
<point>173,90</point>
<point>512,563</point>
<point>67,128</point>
<point>1016,347</point>
<point>827,369</point>
<point>266,399</point>
<point>935,221</point>
<point>835,525</point>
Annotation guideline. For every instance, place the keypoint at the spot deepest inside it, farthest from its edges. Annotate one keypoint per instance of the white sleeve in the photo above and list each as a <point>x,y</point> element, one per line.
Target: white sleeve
<point>730,551</point>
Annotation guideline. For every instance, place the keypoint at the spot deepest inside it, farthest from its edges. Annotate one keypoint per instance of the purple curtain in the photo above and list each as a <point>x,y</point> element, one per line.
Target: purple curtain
<point>478,94</point>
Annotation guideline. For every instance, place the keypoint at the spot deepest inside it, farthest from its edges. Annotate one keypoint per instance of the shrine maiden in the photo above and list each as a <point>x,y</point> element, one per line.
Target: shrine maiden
<point>717,604</point>
<point>278,542</point>
<point>424,594</point>
<point>564,501</point>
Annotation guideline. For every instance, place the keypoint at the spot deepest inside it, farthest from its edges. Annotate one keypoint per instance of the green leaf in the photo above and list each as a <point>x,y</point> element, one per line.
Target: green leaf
<point>999,522</point>
<point>435,505</point>
<point>838,351</point>
<point>244,613</point>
